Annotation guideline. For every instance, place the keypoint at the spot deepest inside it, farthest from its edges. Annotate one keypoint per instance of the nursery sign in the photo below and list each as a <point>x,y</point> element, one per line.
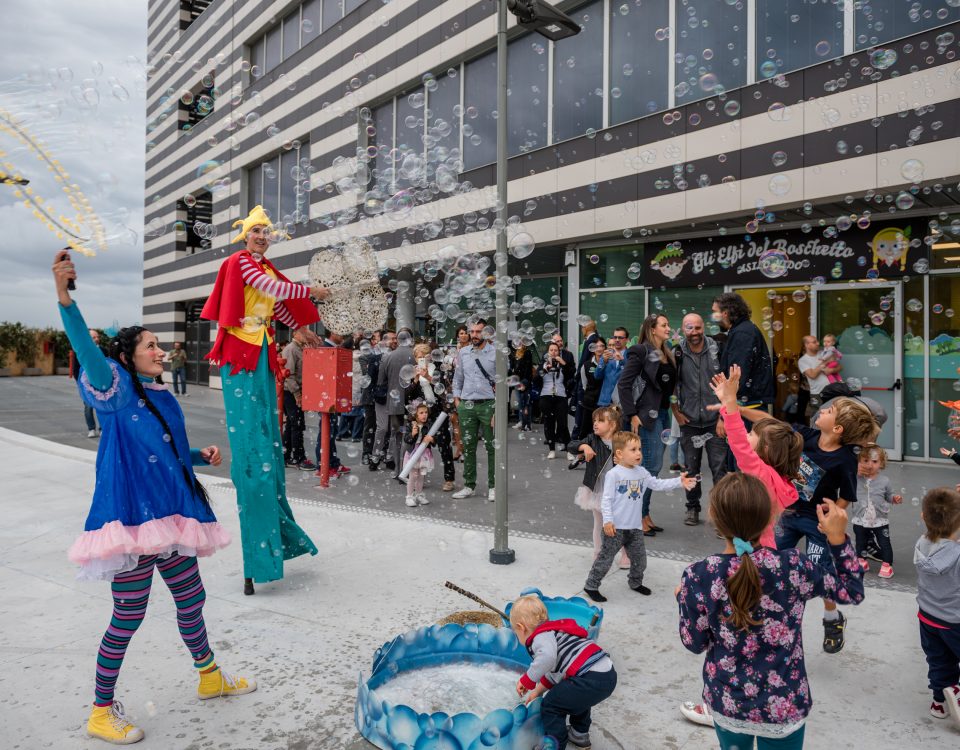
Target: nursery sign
<point>869,253</point>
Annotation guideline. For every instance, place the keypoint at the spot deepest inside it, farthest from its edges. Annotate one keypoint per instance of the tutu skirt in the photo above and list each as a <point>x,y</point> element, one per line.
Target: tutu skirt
<point>587,498</point>
<point>425,464</point>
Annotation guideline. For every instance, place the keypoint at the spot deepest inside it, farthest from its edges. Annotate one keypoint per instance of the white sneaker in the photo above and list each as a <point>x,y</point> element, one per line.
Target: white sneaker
<point>571,457</point>
<point>516,426</point>
<point>422,499</point>
<point>411,501</point>
<point>552,454</point>
<point>491,496</point>
<point>92,434</point>
<point>952,694</point>
<point>698,713</point>
<point>464,493</point>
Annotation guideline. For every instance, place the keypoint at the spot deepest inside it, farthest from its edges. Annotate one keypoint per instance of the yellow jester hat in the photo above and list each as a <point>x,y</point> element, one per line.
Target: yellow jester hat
<point>256,217</point>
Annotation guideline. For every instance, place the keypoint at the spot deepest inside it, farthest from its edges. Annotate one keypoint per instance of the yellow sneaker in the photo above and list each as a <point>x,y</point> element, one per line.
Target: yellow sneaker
<point>219,683</point>
<point>108,723</point>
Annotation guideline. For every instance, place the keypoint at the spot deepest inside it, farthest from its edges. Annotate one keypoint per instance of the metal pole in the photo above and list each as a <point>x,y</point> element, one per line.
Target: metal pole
<point>501,554</point>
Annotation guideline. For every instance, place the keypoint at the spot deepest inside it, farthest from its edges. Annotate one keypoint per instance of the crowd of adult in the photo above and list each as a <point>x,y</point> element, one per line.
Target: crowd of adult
<point>661,383</point>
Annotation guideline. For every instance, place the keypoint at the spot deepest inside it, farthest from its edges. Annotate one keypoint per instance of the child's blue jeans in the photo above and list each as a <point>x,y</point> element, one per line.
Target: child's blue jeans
<point>737,741</point>
<point>574,697</point>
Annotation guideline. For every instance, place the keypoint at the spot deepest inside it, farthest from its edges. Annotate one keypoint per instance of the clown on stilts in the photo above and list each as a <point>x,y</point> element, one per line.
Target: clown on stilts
<point>249,294</point>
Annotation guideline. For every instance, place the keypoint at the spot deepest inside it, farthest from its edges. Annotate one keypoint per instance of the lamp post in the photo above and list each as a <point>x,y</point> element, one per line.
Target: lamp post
<point>538,16</point>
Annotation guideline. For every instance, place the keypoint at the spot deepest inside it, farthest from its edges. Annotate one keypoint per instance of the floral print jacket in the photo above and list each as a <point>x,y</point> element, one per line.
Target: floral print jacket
<point>758,676</point>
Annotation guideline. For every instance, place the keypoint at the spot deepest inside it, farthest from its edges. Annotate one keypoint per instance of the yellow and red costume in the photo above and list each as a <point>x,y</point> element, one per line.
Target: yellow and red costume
<point>249,294</point>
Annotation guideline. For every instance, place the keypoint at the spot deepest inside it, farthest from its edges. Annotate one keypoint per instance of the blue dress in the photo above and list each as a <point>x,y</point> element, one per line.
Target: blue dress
<point>142,504</point>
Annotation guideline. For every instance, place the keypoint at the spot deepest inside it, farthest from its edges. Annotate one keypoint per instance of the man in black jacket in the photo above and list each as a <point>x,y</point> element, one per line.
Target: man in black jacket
<point>745,346</point>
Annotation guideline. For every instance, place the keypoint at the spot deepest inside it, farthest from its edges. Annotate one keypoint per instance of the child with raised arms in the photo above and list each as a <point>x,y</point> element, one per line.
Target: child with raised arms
<point>744,608</point>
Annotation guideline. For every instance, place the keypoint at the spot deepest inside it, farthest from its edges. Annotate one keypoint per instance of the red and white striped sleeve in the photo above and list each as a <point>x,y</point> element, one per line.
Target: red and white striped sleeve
<point>253,276</point>
<point>281,313</point>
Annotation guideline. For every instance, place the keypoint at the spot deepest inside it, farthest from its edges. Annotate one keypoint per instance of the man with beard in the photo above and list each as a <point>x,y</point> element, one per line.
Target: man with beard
<point>698,360</point>
<point>473,398</point>
<point>745,346</point>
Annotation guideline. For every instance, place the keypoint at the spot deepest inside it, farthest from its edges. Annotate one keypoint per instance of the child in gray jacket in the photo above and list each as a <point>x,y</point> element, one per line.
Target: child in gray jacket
<point>871,514</point>
<point>937,557</point>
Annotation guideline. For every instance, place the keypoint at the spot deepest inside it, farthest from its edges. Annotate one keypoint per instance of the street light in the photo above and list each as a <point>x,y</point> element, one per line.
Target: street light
<point>538,16</point>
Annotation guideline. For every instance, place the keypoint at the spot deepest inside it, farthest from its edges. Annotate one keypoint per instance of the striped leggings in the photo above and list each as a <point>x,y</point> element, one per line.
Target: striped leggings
<point>131,592</point>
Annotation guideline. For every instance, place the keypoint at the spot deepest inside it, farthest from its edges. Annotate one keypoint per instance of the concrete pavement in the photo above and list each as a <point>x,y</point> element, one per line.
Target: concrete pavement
<point>541,491</point>
<point>378,574</point>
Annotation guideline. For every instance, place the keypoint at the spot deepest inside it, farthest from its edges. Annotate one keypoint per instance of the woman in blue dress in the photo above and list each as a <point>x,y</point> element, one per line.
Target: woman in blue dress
<point>148,511</point>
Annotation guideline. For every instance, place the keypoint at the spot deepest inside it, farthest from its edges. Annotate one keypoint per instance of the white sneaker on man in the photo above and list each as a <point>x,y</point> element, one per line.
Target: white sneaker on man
<point>491,495</point>
<point>517,425</point>
<point>92,434</point>
<point>552,454</point>
<point>464,493</point>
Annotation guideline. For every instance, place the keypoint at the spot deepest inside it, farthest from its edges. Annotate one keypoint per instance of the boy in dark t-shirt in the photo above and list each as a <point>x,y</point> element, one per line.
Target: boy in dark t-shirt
<point>828,470</point>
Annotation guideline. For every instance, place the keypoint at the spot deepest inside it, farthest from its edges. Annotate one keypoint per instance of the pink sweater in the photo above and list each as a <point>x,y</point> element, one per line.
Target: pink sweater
<point>782,492</point>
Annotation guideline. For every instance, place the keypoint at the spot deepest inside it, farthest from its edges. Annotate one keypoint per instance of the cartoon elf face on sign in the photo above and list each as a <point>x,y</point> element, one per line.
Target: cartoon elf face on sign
<point>890,247</point>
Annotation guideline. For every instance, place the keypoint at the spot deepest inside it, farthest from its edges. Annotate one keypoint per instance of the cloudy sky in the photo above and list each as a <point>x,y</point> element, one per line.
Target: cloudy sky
<point>72,75</point>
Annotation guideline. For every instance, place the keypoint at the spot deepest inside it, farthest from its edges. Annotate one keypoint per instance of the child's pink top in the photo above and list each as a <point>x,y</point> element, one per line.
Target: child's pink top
<point>782,492</point>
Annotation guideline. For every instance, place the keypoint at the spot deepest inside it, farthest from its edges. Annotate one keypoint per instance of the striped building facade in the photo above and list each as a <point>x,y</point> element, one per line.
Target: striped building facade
<point>713,138</point>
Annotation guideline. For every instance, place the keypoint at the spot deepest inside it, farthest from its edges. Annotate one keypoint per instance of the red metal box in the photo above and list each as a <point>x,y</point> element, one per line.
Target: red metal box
<point>328,380</point>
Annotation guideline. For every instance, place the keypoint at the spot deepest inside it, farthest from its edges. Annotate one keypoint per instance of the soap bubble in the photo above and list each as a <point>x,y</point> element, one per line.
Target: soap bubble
<point>522,245</point>
<point>667,437</point>
<point>773,263</point>
<point>799,296</point>
<point>779,158</point>
<point>881,59</point>
<point>779,185</point>
<point>912,170</point>
<point>904,201</point>
<point>822,48</point>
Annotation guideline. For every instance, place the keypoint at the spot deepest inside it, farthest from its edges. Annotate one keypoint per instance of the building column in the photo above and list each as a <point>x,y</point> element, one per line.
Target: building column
<point>404,308</point>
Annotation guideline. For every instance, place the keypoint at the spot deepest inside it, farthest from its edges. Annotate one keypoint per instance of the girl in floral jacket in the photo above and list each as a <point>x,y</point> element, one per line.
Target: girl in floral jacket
<point>744,607</point>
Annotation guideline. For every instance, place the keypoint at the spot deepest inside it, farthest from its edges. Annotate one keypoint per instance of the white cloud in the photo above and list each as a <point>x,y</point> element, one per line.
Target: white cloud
<point>53,51</point>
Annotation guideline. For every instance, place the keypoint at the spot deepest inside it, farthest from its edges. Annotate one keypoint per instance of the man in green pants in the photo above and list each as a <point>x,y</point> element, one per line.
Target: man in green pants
<point>473,394</point>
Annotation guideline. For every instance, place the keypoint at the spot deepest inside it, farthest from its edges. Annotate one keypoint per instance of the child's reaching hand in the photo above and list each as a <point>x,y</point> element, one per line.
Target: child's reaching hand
<point>832,521</point>
<point>521,689</point>
<point>897,499</point>
<point>726,388</point>
<point>948,452</point>
<point>535,693</point>
<point>427,440</point>
<point>414,428</point>
<point>688,482</point>
<point>609,529</point>
<point>588,452</point>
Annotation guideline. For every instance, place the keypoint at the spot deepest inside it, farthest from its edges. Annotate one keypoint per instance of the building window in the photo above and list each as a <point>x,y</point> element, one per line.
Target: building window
<point>291,33</point>
<point>274,53</point>
<point>527,90</point>
<point>332,12</point>
<point>639,61</point>
<point>711,45</point>
<point>578,76</point>
<point>310,21</point>
<point>794,34</point>
<point>410,118</point>
<point>879,21</point>
<point>351,5</point>
<point>196,104</point>
<point>382,140</point>
<point>443,117</point>
<point>194,222</point>
<point>190,10</point>
<point>281,185</point>
<point>479,105</point>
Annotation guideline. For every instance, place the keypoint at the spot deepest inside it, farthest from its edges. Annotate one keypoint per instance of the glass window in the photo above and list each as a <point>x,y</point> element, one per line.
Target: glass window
<point>711,48</point>
<point>794,34</point>
<point>274,54</point>
<point>675,303</point>
<point>914,415</point>
<point>578,76</point>
<point>444,122</point>
<point>309,21</point>
<point>352,5</point>
<point>615,309</point>
<point>289,184</point>
<point>945,252</point>
<point>254,188</point>
<point>527,81</point>
<point>480,102</point>
<point>332,12</point>
<point>944,357</point>
<point>611,267</point>
<point>638,60</point>
<point>410,108</point>
<point>257,59</point>
<point>548,295</point>
<point>270,170</point>
<point>291,33</point>
<point>879,21</point>
<point>383,140</point>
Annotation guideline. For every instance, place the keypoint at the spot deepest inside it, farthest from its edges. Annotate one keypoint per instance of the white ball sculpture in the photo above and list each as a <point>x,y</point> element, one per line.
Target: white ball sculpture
<point>356,301</point>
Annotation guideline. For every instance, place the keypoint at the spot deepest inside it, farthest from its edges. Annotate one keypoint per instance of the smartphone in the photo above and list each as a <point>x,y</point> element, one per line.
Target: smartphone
<point>65,255</point>
<point>422,363</point>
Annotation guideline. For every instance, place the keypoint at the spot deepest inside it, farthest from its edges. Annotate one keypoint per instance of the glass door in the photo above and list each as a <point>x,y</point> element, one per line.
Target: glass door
<point>865,319</point>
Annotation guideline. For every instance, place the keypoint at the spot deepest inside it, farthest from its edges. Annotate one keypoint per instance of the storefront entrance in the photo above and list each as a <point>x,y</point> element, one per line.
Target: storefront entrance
<point>864,318</point>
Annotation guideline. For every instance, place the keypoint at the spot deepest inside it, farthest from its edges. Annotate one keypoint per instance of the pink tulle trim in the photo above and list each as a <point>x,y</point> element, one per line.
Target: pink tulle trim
<point>162,536</point>
<point>587,498</point>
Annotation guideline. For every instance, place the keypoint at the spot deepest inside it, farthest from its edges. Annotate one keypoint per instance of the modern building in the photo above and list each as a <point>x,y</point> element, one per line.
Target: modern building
<point>802,153</point>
